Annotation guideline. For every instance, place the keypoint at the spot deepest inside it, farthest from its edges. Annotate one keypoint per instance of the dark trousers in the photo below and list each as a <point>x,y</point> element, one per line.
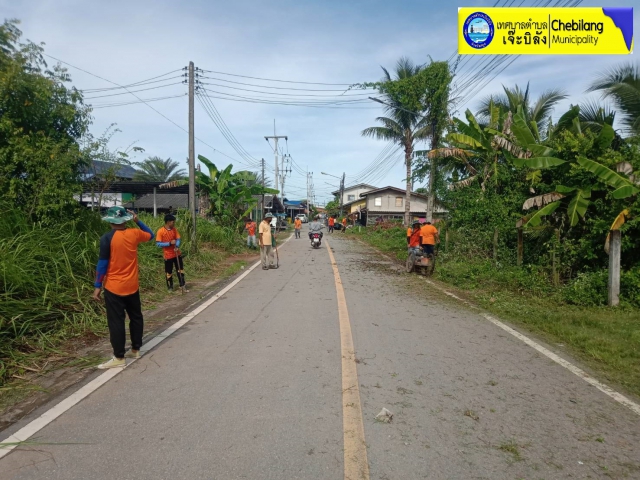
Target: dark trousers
<point>330,228</point>
<point>297,233</point>
<point>168,269</point>
<point>117,305</point>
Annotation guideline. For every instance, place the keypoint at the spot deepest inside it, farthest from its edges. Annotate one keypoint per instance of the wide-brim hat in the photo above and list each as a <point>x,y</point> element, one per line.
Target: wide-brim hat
<point>117,215</point>
<point>268,215</point>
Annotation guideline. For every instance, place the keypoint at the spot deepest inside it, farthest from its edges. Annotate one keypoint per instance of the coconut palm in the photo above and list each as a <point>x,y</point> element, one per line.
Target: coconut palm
<point>402,125</point>
<point>155,169</point>
<point>538,111</point>
<point>622,85</point>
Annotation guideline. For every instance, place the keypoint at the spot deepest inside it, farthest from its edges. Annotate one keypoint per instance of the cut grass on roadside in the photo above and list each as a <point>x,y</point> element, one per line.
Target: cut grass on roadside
<point>606,340</point>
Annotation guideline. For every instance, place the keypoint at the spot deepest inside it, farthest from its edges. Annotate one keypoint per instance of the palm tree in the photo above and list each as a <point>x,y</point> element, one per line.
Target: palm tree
<point>622,85</point>
<point>538,112</point>
<point>155,169</point>
<point>402,125</point>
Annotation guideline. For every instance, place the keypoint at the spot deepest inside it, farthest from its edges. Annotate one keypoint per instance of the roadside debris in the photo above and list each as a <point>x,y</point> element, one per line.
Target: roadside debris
<point>384,416</point>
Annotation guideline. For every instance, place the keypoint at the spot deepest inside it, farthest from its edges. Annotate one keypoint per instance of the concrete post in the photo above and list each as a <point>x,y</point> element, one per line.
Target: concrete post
<point>155,205</point>
<point>614,268</point>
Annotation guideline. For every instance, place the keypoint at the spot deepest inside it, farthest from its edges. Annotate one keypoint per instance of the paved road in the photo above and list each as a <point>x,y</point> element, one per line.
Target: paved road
<point>251,388</point>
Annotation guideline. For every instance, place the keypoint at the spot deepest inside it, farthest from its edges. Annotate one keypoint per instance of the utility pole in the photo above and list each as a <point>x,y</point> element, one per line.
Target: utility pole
<point>275,148</point>
<point>341,193</point>
<point>192,159</point>
<point>263,186</point>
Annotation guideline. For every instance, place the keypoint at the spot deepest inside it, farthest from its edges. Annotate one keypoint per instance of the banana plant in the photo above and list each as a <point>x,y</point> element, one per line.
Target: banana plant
<point>230,195</point>
<point>575,199</point>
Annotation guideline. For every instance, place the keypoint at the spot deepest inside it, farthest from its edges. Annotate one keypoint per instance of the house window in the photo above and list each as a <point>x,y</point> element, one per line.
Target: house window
<point>377,202</point>
<point>399,201</point>
<point>351,198</point>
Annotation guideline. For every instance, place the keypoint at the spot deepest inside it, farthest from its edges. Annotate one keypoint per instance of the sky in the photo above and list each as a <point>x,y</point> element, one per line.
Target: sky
<point>324,42</point>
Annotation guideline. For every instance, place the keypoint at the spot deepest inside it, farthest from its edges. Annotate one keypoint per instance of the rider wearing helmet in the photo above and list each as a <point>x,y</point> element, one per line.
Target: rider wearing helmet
<point>413,237</point>
<point>316,226</point>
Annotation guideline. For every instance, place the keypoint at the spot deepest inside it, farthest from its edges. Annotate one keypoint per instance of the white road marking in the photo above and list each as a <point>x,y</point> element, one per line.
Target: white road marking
<point>26,432</point>
<point>618,397</point>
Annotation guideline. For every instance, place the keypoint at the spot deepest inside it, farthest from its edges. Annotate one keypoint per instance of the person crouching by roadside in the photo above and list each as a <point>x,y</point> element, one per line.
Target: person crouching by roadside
<point>265,240</point>
<point>168,238</point>
<point>250,227</point>
<point>117,272</point>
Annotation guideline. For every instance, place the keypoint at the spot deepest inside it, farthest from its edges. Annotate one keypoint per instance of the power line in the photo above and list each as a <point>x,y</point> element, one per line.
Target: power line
<point>135,84</point>
<point>132,91</point>
<point>274,80</point>
<point>121,104</point>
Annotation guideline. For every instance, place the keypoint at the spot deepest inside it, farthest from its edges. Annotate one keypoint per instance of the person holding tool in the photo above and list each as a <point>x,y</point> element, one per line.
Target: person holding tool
<point>117,272</point>
<point>266,240</point>
<point>344,224</point>
<point>168,238</point>
<point>413,237</point>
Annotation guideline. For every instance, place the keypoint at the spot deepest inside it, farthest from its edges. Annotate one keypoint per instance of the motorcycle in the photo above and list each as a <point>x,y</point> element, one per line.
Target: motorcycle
<point>316,240</point>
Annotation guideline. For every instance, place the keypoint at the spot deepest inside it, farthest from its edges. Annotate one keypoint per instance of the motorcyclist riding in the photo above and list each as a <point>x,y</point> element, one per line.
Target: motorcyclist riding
<point>315,227</point>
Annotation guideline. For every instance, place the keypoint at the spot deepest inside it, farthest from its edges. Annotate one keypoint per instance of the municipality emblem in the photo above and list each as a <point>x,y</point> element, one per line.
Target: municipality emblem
<point>478,30</point>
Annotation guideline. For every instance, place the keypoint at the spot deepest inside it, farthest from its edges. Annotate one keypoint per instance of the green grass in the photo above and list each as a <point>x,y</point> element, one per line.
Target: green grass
<point>46,282</point>
<point>605,339</point>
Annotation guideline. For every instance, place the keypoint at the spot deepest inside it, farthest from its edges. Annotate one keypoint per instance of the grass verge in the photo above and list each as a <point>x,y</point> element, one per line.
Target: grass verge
<point>46,281</point>
<point>605,339</point>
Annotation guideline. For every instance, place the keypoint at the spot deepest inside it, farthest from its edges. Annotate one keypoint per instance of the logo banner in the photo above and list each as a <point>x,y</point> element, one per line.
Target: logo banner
<point>545,31</point>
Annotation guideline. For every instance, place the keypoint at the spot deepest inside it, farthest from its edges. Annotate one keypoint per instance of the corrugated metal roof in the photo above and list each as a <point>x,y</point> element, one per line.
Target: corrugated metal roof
<point>163,201</point>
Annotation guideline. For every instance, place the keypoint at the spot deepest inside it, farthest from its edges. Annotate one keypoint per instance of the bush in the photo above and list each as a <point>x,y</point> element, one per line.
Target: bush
<point>587,289</point>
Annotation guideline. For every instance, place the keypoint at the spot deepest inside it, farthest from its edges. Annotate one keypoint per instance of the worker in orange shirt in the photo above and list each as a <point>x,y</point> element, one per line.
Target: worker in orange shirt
<point>344,224</point>
<point>297,225</point>
<point>117,271</point>
<point>429,237</point>
<point>413,237</point>
<point>250,226</point>
<point>332,222</point>
<point>168,238</point>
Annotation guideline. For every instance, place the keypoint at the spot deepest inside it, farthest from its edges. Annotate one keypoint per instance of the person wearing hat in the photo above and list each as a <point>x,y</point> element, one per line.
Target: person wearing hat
<point>168,238</point>
<point>117,272</point>
<point>266,242</point>
<point>413,237</point>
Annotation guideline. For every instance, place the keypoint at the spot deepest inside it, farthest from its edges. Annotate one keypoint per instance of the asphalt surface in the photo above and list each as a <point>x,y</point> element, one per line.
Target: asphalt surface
<point>251,389</point>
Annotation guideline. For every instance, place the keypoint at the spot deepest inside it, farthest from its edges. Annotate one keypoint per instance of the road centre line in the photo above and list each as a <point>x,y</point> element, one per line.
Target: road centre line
<point>356,464</point>
<point>617,396</point>
<point>33,427</point>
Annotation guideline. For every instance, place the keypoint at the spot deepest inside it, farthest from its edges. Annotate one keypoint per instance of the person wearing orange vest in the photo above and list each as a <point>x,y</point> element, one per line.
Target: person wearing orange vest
<point>332,222</point>
<point>413,237</point>
<point>117,272</point>
<point>430,237</point>
<point>344,224</point>
<point>297,225</point>
<point>250,227</point>
<point>168,238</point>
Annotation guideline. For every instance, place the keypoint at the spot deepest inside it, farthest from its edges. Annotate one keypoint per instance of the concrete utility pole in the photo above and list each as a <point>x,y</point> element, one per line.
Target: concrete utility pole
<point>275,148</point>
<point>341,193</point>
<point>192,159</point>
<point>614,268</point>
<point>263,186</point>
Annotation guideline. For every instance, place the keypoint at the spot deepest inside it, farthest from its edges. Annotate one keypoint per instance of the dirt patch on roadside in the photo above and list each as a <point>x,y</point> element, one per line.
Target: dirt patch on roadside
<point>78,357</point>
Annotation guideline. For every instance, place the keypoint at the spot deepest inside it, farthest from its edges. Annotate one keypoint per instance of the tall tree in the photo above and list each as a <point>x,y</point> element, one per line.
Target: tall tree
<point>156,169</point>
<point>622,85</point>
<point>538,111</point>
<point>411,109</point>
<point>41,123</point>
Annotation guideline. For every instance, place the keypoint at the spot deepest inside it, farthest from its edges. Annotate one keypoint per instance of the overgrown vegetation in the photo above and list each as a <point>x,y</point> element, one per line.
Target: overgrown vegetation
<point>47,272</point>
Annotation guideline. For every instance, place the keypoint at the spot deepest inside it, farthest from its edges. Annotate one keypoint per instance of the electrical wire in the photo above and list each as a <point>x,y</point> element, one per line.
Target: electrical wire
<point>274,80</point>
<point>121,104</point>
<point>135,84</point>
<point>133,91</point>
